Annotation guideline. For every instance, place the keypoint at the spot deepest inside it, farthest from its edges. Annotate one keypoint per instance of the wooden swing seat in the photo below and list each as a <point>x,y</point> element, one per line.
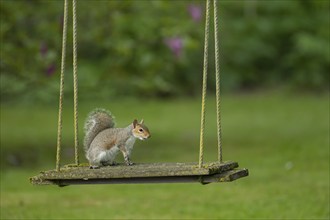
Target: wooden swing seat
<point>142,173</point>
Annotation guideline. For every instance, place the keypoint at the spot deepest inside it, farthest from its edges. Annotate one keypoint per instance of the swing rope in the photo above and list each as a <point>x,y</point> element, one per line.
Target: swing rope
<point>59,125</point>
<point>217,79</point>
<point>205,65</point>
<point>75,84</point>
<point>204,86</point>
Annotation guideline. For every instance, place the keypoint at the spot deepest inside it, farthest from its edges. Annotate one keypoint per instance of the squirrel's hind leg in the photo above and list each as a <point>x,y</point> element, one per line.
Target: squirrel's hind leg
<point>114,163</point>
<point>94,167</point>
<point>96,161</point>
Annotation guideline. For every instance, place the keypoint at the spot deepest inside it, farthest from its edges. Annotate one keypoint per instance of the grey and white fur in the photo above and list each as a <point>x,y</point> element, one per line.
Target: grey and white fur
<point>103,141</point>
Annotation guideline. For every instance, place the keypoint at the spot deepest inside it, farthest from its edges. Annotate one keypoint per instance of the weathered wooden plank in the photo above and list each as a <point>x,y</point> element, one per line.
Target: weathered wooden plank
<point>142,173</point>
<point>226,176</point>
<point>138,170</point>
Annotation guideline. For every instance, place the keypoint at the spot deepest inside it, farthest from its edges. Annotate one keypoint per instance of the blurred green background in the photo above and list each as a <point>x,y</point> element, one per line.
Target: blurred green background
<point>143,59</point>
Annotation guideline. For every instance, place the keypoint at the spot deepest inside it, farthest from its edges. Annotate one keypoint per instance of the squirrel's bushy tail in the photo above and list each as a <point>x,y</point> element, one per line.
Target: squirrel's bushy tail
<point>97,121</point>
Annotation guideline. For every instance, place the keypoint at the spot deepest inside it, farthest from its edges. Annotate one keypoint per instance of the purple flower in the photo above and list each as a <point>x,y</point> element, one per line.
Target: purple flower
<point>175,44</point>
<point>195,12</point>
<point>50,70</point>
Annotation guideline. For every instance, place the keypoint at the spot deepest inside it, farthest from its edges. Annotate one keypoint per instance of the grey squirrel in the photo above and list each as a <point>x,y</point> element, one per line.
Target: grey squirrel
<point>102,141</point>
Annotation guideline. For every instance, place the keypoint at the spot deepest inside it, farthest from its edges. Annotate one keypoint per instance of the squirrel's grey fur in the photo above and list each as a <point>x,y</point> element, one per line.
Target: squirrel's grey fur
<point>103,141</point>
<point>97,120</point>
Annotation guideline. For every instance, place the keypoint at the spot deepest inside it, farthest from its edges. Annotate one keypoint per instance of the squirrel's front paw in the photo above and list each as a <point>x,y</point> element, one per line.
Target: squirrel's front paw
<point>129,163</point>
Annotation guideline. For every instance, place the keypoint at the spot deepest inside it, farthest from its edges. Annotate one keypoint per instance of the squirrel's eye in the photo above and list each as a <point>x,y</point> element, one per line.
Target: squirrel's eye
<point>140,130</point>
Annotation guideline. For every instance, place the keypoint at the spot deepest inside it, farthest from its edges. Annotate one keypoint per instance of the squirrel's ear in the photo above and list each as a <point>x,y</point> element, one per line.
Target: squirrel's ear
<point>141,121</point>
<point>135,123</point>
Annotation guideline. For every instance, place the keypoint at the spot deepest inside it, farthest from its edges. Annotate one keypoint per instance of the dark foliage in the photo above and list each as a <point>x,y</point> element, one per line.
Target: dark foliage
<point>155,48</point>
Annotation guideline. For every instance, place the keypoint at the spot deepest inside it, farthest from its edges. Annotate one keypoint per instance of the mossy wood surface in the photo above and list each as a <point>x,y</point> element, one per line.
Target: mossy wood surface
<point>142,173</point>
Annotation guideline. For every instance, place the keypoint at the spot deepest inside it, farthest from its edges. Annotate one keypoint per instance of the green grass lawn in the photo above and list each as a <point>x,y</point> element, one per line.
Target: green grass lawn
<point>282,139</point>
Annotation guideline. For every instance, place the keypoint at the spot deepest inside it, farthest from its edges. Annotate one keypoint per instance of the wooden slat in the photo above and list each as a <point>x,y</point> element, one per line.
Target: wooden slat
<point>142,173</point>
<point>214,178</point>
<point>138,170</point>
<point>227,176</point>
